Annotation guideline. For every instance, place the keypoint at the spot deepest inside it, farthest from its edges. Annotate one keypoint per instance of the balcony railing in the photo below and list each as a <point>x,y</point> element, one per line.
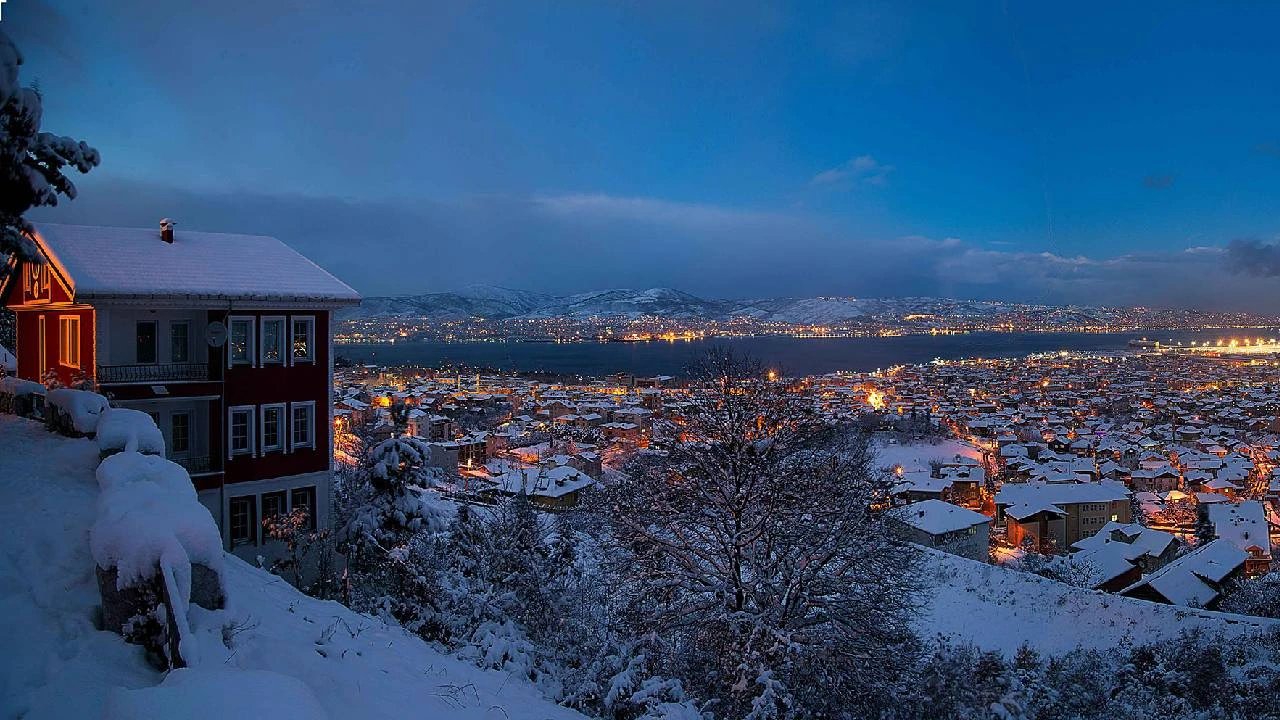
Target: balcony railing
<point>164,372</point>
<point>194,465</point>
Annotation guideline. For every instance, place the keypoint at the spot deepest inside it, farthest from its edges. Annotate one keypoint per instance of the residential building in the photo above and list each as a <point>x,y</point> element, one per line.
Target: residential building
<point>223,339</point>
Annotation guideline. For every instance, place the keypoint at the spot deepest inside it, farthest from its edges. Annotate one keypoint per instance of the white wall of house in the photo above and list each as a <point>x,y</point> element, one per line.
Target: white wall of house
<point>117,339</point>
<point>164,410</point>
<point>218,501</point>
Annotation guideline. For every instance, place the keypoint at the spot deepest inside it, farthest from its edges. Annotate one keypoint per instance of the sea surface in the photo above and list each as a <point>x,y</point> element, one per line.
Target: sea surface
<point>791,356</point>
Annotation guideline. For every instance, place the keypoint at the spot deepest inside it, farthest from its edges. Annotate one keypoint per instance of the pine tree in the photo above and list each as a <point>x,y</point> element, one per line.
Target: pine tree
<point>32,162</point>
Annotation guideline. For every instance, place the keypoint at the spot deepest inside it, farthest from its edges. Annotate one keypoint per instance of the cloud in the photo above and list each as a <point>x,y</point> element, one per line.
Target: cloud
<point>589,241</point>
<point>1253,257</point>
<point>1159,182</point>
<point>863,168</point>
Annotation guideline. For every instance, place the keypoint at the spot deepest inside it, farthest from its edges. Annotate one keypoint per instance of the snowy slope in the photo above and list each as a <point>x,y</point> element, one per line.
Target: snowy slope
<point>999,609</point>
<point>59,666</point>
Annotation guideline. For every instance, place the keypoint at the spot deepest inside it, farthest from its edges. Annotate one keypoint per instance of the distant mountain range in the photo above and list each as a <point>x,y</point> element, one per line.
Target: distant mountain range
<point>486,301</point>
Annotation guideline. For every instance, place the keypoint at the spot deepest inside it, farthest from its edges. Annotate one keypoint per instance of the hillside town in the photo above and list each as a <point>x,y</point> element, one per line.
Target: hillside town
<point>1132,466</point>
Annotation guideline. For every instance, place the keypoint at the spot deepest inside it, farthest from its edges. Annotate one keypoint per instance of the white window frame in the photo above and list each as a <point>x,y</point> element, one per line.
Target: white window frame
<point>310,321</point>
<point>249,428</point>
<point>64,357</point>
<point>282,426</point>
<point>250,341</point>
<point>310,406</point>
<point>280,338</point>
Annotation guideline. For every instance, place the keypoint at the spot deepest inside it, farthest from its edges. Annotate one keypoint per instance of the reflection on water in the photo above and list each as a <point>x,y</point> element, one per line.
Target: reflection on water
<point>794,356</point>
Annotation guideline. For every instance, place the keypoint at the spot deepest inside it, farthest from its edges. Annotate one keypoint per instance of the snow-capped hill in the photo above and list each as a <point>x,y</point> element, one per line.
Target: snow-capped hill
<point>502,303</point>
<point>664,302</point>
<point>486,301</point>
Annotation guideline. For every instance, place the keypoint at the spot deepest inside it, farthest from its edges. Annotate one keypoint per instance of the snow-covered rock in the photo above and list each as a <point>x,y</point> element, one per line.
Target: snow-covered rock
<point>128,430</point>
<point>77,410</point>
<point>151,528</point>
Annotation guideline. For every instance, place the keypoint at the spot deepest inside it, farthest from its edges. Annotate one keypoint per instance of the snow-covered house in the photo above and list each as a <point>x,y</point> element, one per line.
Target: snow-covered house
<point>1196,579</point>
<point>223,339</point>
<point>946,527</point>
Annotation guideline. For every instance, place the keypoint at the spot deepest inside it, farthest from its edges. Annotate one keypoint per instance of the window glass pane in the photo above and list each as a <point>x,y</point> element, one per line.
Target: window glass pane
<point>179,349</point>
<point>273,505</point>
<point>305,498</point>
<point>270,428</point>
<point>244,525</point>
<point>180,432</point>
<point>147,342</point>
<point>239,341</point>
<point>302,339</point>
<point>302,425</point>
<point>272,342</point>
<point>240,431</point>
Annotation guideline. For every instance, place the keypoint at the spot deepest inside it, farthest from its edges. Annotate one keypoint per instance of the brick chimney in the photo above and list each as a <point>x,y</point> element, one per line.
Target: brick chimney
<point>166,230</point>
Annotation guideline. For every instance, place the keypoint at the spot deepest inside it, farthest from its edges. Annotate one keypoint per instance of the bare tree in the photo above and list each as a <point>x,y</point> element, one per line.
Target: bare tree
<point>748,542</point>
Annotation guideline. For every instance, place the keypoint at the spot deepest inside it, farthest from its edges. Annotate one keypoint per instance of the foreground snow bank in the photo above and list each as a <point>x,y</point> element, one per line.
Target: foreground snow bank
<point>62,666</point>
<point>128,430</point>
<point>75,410</point>
<point>217,695</point>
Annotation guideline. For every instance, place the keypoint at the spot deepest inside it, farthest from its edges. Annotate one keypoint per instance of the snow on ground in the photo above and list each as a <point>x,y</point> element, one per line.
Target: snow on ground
<point>996,608</point>
<point>917,456</point>
<point>58,665</point>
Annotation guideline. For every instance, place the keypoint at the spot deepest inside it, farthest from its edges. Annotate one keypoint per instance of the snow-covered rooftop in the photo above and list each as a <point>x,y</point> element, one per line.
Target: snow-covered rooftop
<point>937,517</point>
<point>104,262</point>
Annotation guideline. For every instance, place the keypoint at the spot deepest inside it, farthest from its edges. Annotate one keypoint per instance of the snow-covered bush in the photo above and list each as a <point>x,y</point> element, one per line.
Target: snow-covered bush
<point>123,429</point>
<point>151,532</point>
<point>21,397</point>
<point>73,412</point>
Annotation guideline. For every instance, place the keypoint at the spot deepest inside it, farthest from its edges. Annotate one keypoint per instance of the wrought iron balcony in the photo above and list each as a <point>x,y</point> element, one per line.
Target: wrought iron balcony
<point>163,372</point>
<point>194,465</point>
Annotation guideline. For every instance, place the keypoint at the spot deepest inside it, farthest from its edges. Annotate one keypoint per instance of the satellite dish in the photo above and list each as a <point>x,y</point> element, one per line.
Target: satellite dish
<point>216,334</point>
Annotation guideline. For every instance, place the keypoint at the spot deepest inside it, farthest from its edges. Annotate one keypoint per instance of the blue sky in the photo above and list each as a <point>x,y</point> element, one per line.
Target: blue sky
<point>1070,153</point>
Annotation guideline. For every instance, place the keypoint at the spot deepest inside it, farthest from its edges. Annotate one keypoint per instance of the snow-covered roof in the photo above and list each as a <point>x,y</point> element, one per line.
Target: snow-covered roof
<point>937,517</point>
<point>1244,525</point>
<point>1066,493</point>
<point>104,262</point>
<point>1194,578</point>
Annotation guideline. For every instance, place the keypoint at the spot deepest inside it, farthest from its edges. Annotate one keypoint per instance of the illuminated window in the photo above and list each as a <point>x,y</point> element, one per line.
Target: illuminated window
<point>240,424</point>
<point>302,334</point>
<point>272,340</point>
<point>240,341</point>
<point>302,425</point>
<point>272,428</point>
<point>69,340</point>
